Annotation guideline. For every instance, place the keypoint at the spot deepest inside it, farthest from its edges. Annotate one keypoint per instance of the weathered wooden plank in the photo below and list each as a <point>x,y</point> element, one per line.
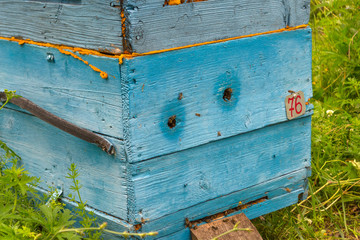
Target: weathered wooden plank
<point>102,175</point>
<point>150,25</point>
<point>214,229</point>
<point>213,91</point>
<point>285,200</point>
<point>153,26</point>
<point>113,223</point>
<point>92,24</point>
<point>67,87</point>
<point>190,177</point>
<point>48,152</point>
<point>172,225</point>
<point>275,186</point>
<point>60,123</point>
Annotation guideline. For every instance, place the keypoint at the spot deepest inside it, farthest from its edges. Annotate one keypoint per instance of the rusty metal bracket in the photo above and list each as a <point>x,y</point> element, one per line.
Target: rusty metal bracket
<point>60,123</point>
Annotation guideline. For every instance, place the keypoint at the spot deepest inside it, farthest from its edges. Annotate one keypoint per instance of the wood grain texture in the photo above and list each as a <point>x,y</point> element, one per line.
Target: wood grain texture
<point>48,152</point>
<point>190,177</point>
<point>259,70</point>
<point>214,229</point>
<point>253,212</point>
<point>92,24</point>
<point>152,26</point>
<point>113,223</point>
<point>96,24</point>
<point>60,123</point>
<point>172,224</point>
<point>108,187</point>
<point>67,87</point>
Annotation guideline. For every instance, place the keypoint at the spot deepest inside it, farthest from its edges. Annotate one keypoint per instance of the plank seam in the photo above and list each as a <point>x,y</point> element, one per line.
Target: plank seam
<point>134,54</point>
<point>29,114</point>
<point>131,200</point>
<point>309,112</point>
<point>82,51</point>
<point>200,203</point>
<point>89,209</point>
<point>64,50</point>
<point>277,197</point>
<point>123,56</point>
<point>124,31</point>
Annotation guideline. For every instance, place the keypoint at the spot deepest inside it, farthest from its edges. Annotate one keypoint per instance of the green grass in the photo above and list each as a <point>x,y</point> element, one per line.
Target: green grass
<point>25,215</point>
<point>332,210</point>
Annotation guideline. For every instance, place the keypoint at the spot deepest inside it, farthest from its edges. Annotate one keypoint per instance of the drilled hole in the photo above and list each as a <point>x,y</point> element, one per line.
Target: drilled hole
<point>172,121</point>
<point>227,94</point>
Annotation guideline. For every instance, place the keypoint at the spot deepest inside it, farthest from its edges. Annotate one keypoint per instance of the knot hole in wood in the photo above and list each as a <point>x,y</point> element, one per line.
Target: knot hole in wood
<point>172,121</point>
<point>227,94</point>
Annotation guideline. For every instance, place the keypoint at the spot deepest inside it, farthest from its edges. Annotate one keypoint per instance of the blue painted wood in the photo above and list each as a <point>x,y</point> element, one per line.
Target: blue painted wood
<point>149,25</point>
<point>173,225</point>
<point>274,187</point>
<point>182,180</point>
<point>113,223</point>
<point>221,151</point>
<point>67,87</point>
<point>195,175</point>
<point>92,24</point>
<point>252,212</point>
<point>47,152</point>
<point>175,222</point>
<point>259,70</point>
<point>152,26</point>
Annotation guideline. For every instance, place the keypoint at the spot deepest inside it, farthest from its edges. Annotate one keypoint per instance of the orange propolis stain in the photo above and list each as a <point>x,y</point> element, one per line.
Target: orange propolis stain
<point>126,55</point>
<point>131,55</point>
<point>66,50</point>
<point>178,2</point>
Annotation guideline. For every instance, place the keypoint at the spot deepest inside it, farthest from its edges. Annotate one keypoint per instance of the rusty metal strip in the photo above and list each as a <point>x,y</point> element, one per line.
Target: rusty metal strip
<point>60,123</point>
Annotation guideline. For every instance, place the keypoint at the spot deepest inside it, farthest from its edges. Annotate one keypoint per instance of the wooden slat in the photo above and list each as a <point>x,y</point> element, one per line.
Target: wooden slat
<point>214,229</point>
<point>102,175</point>
<point>190,177</point>
<point>60,123</point>
<point>173,226</point>
<point>101,217</point>
<point>48,152</point>
<point>180,180</point>
<point>259,70</point>
<point>150,25</point>
<point>67,87</point>
<point>92,24</point>
<point>153,26</point>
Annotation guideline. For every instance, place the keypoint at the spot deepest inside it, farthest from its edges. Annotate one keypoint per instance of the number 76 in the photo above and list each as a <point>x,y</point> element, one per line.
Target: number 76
<point>295,105</point>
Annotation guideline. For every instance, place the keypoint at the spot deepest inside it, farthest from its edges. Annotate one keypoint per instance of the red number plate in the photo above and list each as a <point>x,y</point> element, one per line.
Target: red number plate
<point>295,105</point>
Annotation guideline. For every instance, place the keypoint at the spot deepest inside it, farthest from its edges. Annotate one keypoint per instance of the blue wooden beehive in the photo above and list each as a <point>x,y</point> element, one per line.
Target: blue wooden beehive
<point>194,104</point>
